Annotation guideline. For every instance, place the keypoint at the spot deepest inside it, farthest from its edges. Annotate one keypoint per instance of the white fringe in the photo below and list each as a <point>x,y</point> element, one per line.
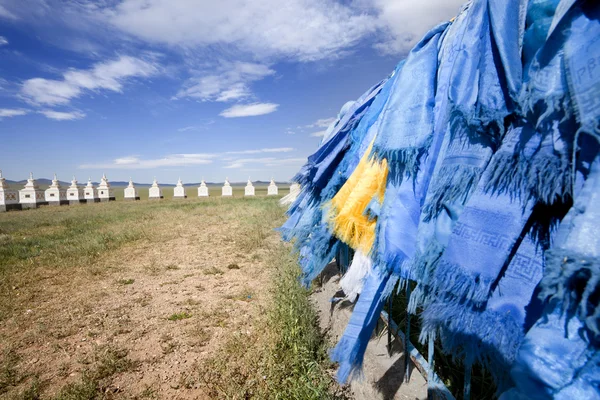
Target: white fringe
<point>352,282</point>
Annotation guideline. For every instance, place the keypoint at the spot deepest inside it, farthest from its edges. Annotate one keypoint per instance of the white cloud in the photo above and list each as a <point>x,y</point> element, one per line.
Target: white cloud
<point>3,41</point>
<point>227,82</point>
<point>110,75</point>
<point>6,14</point>
<point>269,150</point>
<point>319,133</point>
<point>404,22</point>
<point>266,161</point>
<point>179,160</point>
<point>187,128</point>
<point>8,113</point>
<point>62,116</point>
<point>173,160</point>
<point>249,110</point>
<point>322,123</point>
<point>305,30</point>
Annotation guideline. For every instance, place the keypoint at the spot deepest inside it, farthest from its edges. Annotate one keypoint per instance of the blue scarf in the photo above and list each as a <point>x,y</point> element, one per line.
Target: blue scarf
<point>559,358</point>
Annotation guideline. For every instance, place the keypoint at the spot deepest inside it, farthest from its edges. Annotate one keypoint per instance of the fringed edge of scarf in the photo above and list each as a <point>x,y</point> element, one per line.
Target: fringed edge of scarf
<point>489,338</point>
<point>538,106</point>
<point>316,255</point>
<point>574,281</point>
<point>482,125</point>
<point>543,177</point>
<point>402,163</point>
<point>422,269</point>
<point>453,183</point>
<point>464,286</point>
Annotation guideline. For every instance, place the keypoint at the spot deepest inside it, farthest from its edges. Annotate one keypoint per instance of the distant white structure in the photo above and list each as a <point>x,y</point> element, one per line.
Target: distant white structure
<point>272,190</point>
<point>155,192</point>
<point>75,194</point>
<point>55,195</point>
<point>203,189</point>
<point>105,192</point>
<point>249,189</point>
<point>90,193</point>
<point>226,190</point>
<point>31,196</point>
<point>9,198</point>
<point>179,191</point>
<point>131,192</point>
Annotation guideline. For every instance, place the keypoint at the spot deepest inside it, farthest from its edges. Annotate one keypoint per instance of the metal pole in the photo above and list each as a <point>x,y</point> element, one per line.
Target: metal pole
<point>407,340</point>
<point>467,388</point>
<point>430,361</point>
<point>390,301</point>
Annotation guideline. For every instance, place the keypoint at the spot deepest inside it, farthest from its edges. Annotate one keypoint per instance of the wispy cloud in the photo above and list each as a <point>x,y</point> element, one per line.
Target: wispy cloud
<point>6,14</point>
<point>182,160</point>
<point>319,133</point>
<point>227,82</point>
<point>322,123</point>
<point>266,161</point>
<point>110,75</point>
<point>173,160</point>
<point>3,41</point>
<point>8,112</point>
<point>258,151</point>
<point>62,116</point>
<point>188,128</point>
<point>249,110</point>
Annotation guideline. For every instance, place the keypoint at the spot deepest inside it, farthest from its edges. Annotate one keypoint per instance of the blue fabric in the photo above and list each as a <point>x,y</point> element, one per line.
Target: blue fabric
<point>490,128</point>
<point>559,358</point>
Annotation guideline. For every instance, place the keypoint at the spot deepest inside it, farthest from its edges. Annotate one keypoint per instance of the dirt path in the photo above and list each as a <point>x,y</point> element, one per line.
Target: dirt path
<point>162,303</point>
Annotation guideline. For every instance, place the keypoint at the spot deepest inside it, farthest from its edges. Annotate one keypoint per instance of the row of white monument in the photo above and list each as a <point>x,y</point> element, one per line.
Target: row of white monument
<point>31,196</point>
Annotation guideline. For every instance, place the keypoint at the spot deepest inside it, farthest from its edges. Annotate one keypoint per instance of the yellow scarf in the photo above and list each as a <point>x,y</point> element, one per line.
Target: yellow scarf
<point>347,212</point>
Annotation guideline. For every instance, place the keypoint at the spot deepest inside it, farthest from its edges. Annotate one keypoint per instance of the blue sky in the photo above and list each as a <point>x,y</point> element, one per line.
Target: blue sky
<point>189,88</point>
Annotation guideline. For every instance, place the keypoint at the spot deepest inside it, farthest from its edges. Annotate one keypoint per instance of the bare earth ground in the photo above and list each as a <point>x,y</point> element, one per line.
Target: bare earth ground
<point>147,309</point>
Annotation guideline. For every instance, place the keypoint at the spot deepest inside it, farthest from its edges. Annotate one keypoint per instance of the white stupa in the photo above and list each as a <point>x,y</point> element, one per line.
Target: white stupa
<point>31,196</point>
<point>249,189</point>
<point>272,190</point>
<point>55,195</point>
<point>105,192</point>
<point>179,191</point>
<point>75,194</point>
<point>203,189</point>
<point>90,193</point>
<point>131,192</point>
<point>9,198</point>
<point>226,190</point>
<point>155,192</point>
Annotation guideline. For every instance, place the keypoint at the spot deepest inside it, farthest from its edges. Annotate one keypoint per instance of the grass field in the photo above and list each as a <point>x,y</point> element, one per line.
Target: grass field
<point>194,298</point>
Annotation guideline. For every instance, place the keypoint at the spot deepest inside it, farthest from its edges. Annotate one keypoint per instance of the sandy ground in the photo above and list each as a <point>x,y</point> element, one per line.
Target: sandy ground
<point>383,374</point>
<point>191,265</point>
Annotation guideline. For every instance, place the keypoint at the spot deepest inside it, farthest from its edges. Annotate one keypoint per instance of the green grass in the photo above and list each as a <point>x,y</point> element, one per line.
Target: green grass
<point>179,316</point>
<point>287,359</point>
